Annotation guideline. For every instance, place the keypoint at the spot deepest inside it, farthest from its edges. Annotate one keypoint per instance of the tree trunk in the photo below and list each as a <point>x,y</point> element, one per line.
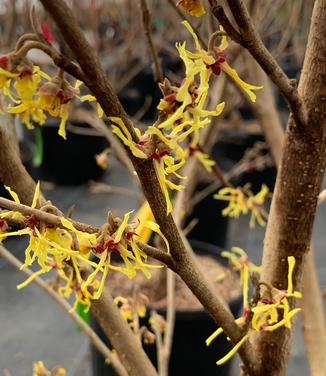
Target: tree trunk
<point>295,197</point>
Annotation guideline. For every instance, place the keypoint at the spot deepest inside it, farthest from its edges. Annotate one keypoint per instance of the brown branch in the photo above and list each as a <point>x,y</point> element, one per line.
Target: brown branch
<point>313,318</point>
<point>121,336</point>
<point>220,15</point>
<point>44,216</point>
<point>157,254</point>
<point>170,321</point>
<point>161,364</point>
<point>249,38</point>
<point>94,338</point>
<point>146,19</point>
<point>59,59</point>
<point>28,37</point>
<point>98,187</point>
<point>55,220</point>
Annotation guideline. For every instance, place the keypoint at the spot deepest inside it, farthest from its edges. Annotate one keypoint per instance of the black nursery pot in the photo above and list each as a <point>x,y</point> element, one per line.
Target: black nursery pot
<point>140,89</point>
<point>189,356</point>
<point>70,161</point>
<point>212,226</point>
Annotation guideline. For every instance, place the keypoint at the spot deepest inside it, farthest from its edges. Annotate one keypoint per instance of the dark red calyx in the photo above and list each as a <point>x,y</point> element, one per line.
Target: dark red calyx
<point>32,221</point>
<point>4,61</point>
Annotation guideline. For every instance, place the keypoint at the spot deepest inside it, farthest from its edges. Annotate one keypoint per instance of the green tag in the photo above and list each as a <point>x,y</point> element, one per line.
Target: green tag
<point>38,154</point>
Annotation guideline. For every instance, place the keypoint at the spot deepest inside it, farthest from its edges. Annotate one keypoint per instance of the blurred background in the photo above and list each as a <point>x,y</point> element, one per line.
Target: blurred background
<point>32,327</point>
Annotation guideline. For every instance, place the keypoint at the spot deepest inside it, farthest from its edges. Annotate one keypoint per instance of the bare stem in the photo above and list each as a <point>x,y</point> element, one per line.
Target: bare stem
<point>59,59</point>
<point>248,37</point>
<point>43,216</point>
<point>146,19</point>
<point>313,318</point>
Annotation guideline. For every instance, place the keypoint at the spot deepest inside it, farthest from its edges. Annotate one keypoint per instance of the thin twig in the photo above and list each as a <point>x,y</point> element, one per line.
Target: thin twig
<point>94,121</point>
<point>249,38</point>
<point>170,320</point>
<point>159,345</point>
<point>59,59</point>
<point>94,338</point>
<point>44,216</point>
<point>146,19</point>
<point>96,187</point>
<point>157,254</point>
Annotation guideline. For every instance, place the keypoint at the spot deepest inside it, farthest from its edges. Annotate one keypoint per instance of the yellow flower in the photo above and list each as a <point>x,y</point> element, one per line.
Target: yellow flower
<point>6,75</point>
<point>242,202</point>
<point>15,214</point>
<point>215,61</point>
<point>129,306</point>
<point>254,202</point>
<point>184,106</point>
<point>55,97</point>
<point>122,132</point>
<point>266,313</point>
<point>39,369</point>
<point>239,261</point>
<point>102,159</point>
<point>203,158</point>
<point>123,239</point>
<point>144,214</point>
<point>26,102</point>
<point>237,201</point>
<point>66,250</point>
<point>193,7</point>
<point>27,111</point>
<point>158,149</point>
<point>91,98</point>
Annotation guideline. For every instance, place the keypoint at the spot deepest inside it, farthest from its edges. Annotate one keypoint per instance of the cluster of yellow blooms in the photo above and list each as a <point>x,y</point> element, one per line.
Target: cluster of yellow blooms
<point>243,202</point>
<point>34,95</point>
<point>39,369</point>
<point>270,312</point>
<point>68,250</point>
<point>182,115</point>
<point>239,262</point>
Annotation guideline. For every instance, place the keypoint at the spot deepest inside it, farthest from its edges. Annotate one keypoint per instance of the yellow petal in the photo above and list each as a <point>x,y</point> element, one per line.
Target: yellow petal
<point>29,279</point>
<point>193,34</point>
<point>291,262</point>
<point>13,194</point>
<point>224,41</point>
<point>36,195</point>
<point>233,351</point>
<point>248,88</point>
<point>270,328</point>
<point>211,338</point>
<point>64,117</point>
<point>122,227</point>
